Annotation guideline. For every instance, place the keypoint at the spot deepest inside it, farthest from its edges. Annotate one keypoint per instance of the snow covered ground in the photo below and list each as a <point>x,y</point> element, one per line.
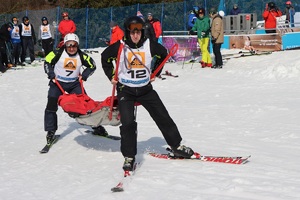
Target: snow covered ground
<point>250,107</point>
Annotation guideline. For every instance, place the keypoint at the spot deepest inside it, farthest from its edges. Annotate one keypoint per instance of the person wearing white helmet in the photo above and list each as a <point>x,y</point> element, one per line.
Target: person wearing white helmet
<point>65,66</point>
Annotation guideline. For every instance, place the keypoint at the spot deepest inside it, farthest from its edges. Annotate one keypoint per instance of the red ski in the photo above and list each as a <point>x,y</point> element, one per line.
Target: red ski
<point>219,159</point>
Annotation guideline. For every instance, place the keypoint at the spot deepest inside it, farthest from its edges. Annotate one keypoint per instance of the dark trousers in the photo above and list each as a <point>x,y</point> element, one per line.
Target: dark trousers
<point>149,99</point>
<point>271,31</point>
<point>16,52</point>
<point>47,45</point>
<point>50,117</point>
<point>27,42</point>
<point>2,66</point>
<point>3,55</point>
<point>217,53</point>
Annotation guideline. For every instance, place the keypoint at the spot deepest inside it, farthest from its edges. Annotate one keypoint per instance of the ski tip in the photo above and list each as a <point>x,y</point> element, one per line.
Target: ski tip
<point>117,189</point>
<point>43,152</point>
<point>48,146</point>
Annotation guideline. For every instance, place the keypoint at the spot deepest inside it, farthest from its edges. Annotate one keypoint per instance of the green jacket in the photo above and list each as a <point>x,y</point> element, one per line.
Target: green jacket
<point>202,25</point>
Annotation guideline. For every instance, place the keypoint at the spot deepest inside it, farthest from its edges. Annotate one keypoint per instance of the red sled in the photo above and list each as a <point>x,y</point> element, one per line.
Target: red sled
<point>86,111</point>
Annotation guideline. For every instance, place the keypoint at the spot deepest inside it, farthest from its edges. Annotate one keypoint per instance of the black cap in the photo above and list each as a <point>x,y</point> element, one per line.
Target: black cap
<point>25,18</point>
<point>44,19</point>
<point>112,24</point>
<point>201,11</point>
<point>212,11</point>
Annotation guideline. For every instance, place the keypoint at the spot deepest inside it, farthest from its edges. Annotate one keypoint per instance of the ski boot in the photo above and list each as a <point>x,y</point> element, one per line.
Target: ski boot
<point>182,151</point>
<point>128,164</point>
<point>100,131</point>
<point>50,136</point>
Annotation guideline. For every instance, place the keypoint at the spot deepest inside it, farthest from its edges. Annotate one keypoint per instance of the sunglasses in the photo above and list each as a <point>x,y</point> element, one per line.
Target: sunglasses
<point>71,46</point>
<point>133,27</point>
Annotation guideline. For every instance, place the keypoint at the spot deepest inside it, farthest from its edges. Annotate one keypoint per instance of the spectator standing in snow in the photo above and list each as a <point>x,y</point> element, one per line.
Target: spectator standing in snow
<point>269,15</point>
<point>235,10</point>
<point>289,12</point>
<point>149,30</point>
<point>156,25</point>
<point>217,36</point>
<point>65,26</point>
<point>28,39</point>
<point>116,33</point>
<point>16,42</point>
<point>45,36</point>
<point>202,27</point>
<point>133,83</point>
<point>4,38</point>
<point>192,17</point>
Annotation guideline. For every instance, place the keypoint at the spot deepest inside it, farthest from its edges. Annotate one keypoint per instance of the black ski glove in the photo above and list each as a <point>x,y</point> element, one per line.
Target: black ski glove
<point>51,75</point>
<point>49,70</point>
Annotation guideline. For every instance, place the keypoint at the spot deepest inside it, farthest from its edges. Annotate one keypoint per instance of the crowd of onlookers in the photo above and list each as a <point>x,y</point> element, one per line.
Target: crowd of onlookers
<point>16,39</point>
<point>208,29</point>
<point>211,28</point>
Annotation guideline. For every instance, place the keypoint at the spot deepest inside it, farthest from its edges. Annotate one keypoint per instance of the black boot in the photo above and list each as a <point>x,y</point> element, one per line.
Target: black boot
<point>128,164</point>
<point>182,151</point>
<point>99,130</point>
<point>50,136</point>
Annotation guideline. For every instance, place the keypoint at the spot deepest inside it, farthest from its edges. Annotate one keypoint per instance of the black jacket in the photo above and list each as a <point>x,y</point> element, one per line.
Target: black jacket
<point>149,31</point>
<point>53,57</point>
<point>111,53</point>
<point>4,35</point>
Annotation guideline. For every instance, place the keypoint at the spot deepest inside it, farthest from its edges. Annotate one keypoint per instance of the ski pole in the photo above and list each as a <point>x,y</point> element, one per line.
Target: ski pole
<point>172,53</point>
<point>115,78</point>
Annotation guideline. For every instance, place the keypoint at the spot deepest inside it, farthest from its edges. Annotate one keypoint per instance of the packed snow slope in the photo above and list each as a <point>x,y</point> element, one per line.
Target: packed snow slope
<point>250,107</point>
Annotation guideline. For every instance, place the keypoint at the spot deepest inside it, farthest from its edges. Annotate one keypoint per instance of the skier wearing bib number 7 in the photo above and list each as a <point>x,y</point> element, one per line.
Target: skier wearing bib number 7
<point>65,66</point>
<point>132,78</point>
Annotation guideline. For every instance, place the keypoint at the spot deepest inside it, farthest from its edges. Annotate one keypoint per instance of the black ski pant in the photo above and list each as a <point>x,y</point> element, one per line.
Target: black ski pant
<point>217,53</point>
<point>149,99</point>
<point>2,67</point>
<point>50,117</point>
<point>27,42</point>
<point>16,52</point>
<point>4,59</point>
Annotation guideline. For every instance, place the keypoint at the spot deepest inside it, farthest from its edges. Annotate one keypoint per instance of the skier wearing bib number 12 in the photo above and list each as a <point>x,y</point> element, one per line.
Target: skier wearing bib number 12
<point>133,83</point>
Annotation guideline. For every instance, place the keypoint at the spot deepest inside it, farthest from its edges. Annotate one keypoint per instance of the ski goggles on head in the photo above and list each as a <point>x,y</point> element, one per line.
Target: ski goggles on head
<point>133,27</point>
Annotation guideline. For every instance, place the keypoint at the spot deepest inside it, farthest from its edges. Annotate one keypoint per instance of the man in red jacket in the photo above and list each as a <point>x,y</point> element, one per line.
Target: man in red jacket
<point>65,26</point>
<point>269,15</point>
<point>156,25</point>
<point>116,33</point>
